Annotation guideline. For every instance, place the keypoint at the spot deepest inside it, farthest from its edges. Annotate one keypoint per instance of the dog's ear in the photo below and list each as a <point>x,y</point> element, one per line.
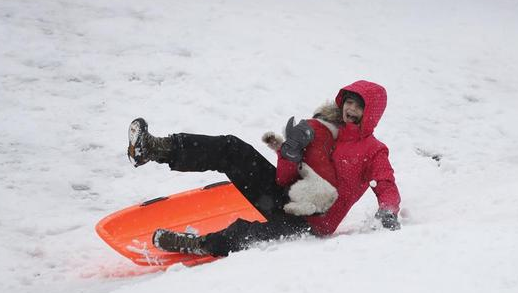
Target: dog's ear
<point>273,140</point>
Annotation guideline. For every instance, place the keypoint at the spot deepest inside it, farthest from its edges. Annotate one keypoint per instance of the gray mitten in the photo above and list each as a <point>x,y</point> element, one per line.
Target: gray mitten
<point>297,138</point>
<point>388,219</point>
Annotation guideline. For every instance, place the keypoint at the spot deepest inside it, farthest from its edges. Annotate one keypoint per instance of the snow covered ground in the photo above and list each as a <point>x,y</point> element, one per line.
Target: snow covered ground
<point>74,73</point>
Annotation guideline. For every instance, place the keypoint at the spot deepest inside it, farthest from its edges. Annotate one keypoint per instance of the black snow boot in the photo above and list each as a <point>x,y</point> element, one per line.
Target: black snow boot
<point>144,147</point>
<point>171,241</point>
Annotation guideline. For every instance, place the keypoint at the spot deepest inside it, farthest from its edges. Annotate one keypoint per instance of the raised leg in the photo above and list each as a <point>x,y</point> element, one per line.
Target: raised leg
<point>247,169</point>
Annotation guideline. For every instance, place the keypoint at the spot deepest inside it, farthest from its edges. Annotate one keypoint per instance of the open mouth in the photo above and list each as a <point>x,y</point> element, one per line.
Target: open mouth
<point>352,118</point>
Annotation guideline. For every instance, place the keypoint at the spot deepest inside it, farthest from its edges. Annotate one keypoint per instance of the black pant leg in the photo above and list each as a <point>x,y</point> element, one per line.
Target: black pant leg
<point>252,174</point>
<point>242,233</point>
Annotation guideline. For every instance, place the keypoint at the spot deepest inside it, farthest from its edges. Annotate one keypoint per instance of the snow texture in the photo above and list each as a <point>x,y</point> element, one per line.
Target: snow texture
<point>75,73</point>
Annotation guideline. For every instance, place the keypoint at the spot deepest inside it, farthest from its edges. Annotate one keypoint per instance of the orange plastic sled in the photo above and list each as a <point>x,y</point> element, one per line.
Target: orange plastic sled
<point>201,211</point>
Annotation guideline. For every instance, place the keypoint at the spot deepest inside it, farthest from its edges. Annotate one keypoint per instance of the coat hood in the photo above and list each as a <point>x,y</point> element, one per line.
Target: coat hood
<point>375,98</point>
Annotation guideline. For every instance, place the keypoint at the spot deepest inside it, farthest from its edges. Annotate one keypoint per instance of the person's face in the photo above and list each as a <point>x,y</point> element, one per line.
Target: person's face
<point>352,111</point>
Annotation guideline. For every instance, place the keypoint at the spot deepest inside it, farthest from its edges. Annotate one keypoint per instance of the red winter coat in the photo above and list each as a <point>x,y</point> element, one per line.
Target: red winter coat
<point>359,160</point>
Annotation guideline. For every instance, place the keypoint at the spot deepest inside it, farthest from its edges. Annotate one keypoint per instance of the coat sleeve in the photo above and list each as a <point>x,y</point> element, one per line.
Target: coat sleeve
<point>381,179</point>
<point>287,171</point>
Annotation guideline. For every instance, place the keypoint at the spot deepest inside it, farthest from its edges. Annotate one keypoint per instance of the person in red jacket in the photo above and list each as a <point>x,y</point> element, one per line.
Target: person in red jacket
<point>356,157</point>
<point>359,159</point>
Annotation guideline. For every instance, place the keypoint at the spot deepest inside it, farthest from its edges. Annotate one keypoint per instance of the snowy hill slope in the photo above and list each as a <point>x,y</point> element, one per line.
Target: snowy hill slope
<point>74,73</point>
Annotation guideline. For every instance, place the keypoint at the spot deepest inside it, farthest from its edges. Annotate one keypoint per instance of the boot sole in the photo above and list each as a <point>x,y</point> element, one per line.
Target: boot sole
<point>136,128</point>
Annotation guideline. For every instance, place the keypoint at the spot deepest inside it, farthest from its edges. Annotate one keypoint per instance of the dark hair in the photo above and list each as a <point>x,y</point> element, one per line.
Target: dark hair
<point>354,96</point>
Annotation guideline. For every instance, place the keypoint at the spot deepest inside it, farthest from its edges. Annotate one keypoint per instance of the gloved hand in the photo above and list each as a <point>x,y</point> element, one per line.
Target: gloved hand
<point>297,138</point>
<point>388,219</point>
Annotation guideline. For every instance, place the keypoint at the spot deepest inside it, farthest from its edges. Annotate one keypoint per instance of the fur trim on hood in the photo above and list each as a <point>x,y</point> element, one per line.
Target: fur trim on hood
<point>329,112</point>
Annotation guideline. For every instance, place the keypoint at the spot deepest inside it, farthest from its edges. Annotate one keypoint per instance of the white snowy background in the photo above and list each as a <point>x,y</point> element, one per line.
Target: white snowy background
<point>74,73</point>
